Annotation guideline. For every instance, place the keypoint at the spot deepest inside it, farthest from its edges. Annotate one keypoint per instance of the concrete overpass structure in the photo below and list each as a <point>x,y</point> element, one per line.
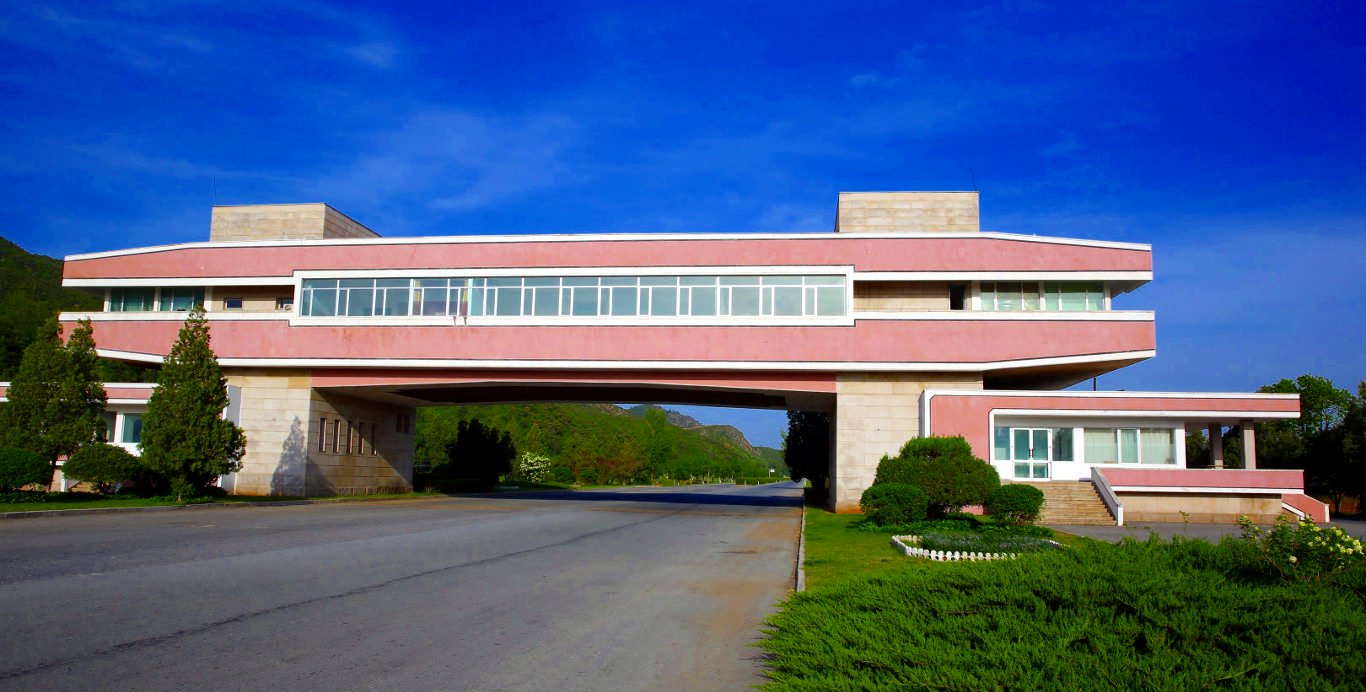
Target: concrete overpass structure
<point>335,335</point>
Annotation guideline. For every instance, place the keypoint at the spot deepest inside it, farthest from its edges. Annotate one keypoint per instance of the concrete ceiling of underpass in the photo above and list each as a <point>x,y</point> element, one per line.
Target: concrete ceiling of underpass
<point>530,393</point>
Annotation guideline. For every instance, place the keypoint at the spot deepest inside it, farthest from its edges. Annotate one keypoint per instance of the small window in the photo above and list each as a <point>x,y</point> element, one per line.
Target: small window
<point>322,434</point>
<point>132,428</point>
<point>232,303</point>
<point>285,303</point>
<point>336,435</point>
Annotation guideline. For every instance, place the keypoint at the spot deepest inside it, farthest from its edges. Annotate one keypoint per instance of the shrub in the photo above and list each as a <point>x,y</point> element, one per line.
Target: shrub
<point>561,474</point>
<point>894,503</point>
<point>20,467</point>
<point>532,467</point>
<point>102,465</point>
<point>944,468</point>
<point>1303,551</point>
<point>1015,503</point>
<point>588,476</point>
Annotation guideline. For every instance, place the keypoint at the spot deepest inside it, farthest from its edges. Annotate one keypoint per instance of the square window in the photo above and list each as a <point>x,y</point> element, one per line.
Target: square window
<point>232,303</point>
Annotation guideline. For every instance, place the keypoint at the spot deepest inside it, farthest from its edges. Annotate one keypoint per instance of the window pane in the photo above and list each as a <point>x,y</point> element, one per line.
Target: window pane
<point>132,428</point>
<point>744,300</point>
<point>434,283</point>
<point>703,301</point>
<point>663,302</point>
<point>433,300</point>
<point>659,281</point>
<point>1008,296</point>
<point>1157,446</point>
<point>1038,441</point>
<point>508,301</point>
<point>781,280</point>
<point>1062,444</point>
<point>1095,296</point>
<point>547,302</point>
<point>579,281</point>
<point>1128,446</point>
<point>624,301</point>
<point>1041,470</point>
<point>1073,297</point>
<point>740,281</point>
<point>541,281</point>
<point>586,302</point>
<point>1001,444</point>
<point>619,281</point>
<point>830,301</point>
<point>697,280</point>
<point>988,296</point>
<point>393,283</point>
<point>360,302</point>
<point>787,301</point>
<point>1100,446</point>
<point>504,282</point>
<point>1022,470</point>
<point>1021,439</point>
<point>825,281</point>
<point>324,303</point>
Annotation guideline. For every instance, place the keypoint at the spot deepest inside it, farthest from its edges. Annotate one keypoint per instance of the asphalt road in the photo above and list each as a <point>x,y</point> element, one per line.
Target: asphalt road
<point>636,589</point>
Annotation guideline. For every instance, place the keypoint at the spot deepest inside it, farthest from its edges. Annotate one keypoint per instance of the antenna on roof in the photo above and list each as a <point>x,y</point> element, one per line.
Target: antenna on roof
<point>214,183</point>
<point>973,177</point>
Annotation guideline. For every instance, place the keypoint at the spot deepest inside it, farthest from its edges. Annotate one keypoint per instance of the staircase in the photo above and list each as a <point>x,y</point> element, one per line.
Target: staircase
<point>1073,503</point>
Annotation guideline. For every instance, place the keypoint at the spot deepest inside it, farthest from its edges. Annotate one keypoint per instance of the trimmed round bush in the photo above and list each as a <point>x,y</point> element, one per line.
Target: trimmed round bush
<point>102,465</point>
<point>20,467</point>
<point>894,503</point>
<point>1016,504</point>
<point>945,469</point>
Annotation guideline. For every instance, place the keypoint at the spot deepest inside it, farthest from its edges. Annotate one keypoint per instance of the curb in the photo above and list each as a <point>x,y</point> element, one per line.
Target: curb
<point>801,553</point>
<point>40,513</point>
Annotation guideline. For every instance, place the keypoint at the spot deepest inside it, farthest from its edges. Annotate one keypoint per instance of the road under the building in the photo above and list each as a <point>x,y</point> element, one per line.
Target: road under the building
<point>633,589</point>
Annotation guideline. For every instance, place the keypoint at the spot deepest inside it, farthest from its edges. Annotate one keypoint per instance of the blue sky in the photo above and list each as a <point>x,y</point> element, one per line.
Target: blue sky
<point>1227,135</point>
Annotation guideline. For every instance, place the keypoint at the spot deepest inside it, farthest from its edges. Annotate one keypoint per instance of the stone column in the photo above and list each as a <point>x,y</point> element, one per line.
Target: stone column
<point>1216,445</point>
<point>1249,430</point>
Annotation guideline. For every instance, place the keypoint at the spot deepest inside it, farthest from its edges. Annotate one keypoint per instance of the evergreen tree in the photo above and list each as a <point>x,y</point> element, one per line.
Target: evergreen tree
<point>184,435</point>
<point>56,398</point>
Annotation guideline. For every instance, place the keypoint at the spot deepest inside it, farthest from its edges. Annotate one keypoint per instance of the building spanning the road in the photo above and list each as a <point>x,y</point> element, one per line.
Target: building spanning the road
<point>907,320</point>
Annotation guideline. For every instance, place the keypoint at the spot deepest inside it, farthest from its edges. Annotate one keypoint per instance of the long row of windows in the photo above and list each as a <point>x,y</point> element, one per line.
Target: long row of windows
<point>1031,449</point>
<point>579,296</point>
<point>169,299</point>
<point>1042,295</point>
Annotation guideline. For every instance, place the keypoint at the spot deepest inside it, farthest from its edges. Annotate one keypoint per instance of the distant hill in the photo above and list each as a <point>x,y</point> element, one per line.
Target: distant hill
<point>602,441</point>
<point>30,292</point>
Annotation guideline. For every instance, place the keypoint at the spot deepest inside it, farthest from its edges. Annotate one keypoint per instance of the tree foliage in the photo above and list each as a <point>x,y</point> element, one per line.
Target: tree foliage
<point>945,468</point>
<point>56,398</point>
<point>478,455</point>
<point>20,467</point>
<point>102,465</point>
<point>806,451</point>
<point>1321,441</point>
<point>184,435</point>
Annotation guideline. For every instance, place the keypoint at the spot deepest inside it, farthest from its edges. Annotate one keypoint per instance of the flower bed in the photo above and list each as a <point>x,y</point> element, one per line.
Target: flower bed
<point>957,547</point>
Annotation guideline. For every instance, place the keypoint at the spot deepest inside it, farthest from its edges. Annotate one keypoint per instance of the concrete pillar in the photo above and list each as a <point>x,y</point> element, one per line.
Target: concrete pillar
<point>1249,430</point>
<point>875,413</point>
<point>1216,445</point>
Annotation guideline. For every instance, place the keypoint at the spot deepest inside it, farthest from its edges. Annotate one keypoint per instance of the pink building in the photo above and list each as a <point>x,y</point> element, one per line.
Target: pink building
<point>907,320</point>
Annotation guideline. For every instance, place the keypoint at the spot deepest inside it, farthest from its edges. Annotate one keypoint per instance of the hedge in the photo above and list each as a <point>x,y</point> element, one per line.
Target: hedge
<point>20,467</point>
<point>1016,503</point>
<point>894,503</point>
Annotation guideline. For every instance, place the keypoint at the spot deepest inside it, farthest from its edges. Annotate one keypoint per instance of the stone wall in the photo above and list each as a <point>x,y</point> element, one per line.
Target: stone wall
<point>283,222</point>
<point>907,212</point>
<point>875,413</point>
<point>290,453</point>
<point>1199,508</point>
<point>900,296</point>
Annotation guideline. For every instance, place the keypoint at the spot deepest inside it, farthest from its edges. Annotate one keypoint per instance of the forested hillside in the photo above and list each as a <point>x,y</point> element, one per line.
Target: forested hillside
<point>603,443</point>
<point>31,292</point>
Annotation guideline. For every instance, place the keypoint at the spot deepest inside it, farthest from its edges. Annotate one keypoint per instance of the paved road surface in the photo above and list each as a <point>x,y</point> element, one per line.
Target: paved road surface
<point>638,589</point>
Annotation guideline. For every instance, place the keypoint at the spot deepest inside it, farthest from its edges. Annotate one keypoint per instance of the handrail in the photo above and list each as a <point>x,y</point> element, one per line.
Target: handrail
<point>1107,495</point>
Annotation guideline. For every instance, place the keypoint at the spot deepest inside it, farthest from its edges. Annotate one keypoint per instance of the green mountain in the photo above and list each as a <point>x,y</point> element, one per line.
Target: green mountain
<point>30,292</point>
<point>601,442</point>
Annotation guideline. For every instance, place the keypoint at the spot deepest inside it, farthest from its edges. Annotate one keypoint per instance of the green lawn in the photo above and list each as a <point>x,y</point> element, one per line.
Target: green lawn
<point>837,551</point>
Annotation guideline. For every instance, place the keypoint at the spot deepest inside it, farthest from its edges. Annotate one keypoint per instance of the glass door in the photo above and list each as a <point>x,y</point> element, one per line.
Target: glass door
<point>1029,451</point>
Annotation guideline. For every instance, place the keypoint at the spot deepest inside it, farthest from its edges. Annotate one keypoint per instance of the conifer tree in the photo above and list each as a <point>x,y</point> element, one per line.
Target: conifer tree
<point>56,398</point>
<point>184,435</point>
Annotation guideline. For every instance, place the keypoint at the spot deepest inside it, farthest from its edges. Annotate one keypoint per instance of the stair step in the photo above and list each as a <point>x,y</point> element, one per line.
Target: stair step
<point>1068,502</point>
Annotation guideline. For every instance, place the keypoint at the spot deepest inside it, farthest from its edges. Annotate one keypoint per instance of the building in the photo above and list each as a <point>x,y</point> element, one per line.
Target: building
<point>907,320</point>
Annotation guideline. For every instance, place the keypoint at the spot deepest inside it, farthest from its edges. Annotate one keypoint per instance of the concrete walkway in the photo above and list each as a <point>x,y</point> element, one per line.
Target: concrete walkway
<point>1209,532</point>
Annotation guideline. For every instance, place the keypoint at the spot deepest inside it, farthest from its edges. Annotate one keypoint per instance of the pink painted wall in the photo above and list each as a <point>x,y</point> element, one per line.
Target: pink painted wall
<point>111,391</point>
<point>864,253</point>
<point>871,341</point>
<point>790,382</point>
<point>969,415</point>
<point>1205,478</point>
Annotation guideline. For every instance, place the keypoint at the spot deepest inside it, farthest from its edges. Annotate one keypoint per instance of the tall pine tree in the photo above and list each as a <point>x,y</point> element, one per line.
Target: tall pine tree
<point>56,398</point>
<point>184,435</point>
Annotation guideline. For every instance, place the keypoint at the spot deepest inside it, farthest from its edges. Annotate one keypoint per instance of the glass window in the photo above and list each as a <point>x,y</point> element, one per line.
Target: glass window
<point>131,299</point>
<point>360,302</point>
<point>830,301</point>
<point>1155,446</point>
<point>1128,446</point>
<point>132,428</point>
<point>703,301</point>
<point>744,300</point>
<point>585,301</point>
<point>663,301</point>
<point>787,301</point>
<point>546,302</point>
<point>1062,444</point>
<point>623,300</point>
<point>181,298</point>
<point>1001,443</point>
<point>508,301</point>
<point>1100,446</point>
